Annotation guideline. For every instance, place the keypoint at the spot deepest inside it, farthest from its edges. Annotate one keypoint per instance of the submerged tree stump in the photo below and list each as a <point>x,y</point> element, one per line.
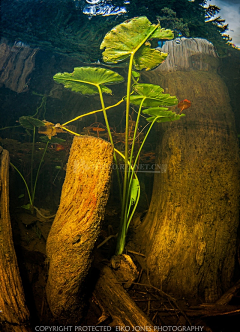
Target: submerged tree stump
<point>14,314</point>
<point>17,63</point>
<point>117,303</point>
<point>76,226</point>
<point>189,234</point>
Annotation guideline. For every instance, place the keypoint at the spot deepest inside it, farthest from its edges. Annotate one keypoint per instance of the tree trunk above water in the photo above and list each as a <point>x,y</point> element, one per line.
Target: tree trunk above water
<point>189,234</point>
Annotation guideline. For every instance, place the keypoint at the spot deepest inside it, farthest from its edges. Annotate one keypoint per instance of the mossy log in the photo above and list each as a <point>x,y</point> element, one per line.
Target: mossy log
<point>77,225</point>
<point>14,314</point>
<point>189,234</point>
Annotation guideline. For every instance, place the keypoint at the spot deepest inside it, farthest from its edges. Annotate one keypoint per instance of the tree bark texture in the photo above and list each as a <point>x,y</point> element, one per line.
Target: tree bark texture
<point>189,234</point>
<point>117,303</point>
<point>76,226</point>
<point>14,314</point>
<point>17,63</point>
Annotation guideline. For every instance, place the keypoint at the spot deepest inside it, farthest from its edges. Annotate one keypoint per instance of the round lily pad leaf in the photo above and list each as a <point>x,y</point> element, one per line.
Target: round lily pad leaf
<point>86,80</point>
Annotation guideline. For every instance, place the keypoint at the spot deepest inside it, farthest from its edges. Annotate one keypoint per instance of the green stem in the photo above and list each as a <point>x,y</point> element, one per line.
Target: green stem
<point>10,127</point>
<point>140,149</point>
<point>133,211</point>
<point>131,158</point>
<point>43,104</point>
<point>123,221</point>
<point>134,165</point>
<point>32,157</point>
<point>35,183</point>
<point>123,231</point>
<point>28,191</point>
<point>93,112</point>
<point>135,130</point>
<point>110,136</point>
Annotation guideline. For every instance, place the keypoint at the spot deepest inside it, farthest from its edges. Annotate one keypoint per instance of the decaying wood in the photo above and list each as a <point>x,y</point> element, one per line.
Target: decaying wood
<point>189,234</point>
<point>117,303</point>
<point>17,62</point>
<point>77,225</point>
<point>187,54</point>
<point>201,311</point>
<point>226,297</point>
<point>14,314</point>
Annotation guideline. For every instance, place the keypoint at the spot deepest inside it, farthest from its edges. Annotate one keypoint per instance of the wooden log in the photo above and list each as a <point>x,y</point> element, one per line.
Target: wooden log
<point>189,234</point>
<point>118,304</point>
<point>77,225</point>
<point>187,54</point>
<point>17,62</point>
<point>14,314</point>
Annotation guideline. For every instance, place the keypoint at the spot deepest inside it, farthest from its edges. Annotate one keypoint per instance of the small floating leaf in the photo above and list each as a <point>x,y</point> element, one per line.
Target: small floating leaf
<point>29,122</point>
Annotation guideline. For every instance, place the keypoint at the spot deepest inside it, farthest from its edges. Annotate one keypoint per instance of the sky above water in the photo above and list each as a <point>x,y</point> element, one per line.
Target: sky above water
<point>230,12</point>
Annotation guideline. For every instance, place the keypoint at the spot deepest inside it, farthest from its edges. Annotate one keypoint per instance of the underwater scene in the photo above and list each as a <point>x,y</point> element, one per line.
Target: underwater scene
<point>119,165</point>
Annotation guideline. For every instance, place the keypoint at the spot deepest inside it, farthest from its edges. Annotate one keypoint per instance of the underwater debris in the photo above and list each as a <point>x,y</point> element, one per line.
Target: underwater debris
<point>184,104</point>
<point>97,129</point>
<point>50,129</point>
<point>59,147</point>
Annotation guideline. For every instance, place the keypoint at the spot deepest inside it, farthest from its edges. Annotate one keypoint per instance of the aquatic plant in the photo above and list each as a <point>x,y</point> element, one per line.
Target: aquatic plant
<point>31,123</point>
<point>130,41</point>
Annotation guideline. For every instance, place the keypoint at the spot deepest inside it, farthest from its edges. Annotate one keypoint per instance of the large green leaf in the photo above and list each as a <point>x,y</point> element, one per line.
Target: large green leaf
<point>86,79</point>
<point>148,58</point>
<point>29,122</point>
<point>153,96</point>
<point>131,37</point>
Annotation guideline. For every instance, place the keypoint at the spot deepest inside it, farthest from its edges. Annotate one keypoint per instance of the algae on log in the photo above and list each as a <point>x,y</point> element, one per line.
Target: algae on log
<point>189,234</point>
<point>14,314</point>
<point>77,225</point>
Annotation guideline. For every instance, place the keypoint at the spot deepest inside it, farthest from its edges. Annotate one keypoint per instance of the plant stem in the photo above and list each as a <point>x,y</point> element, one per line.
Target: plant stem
<point>28,191</point>
<point>110,137</point>
<point>10,127</point>
<point>123,220</point>
<point>123,230</point>
<point>140,149</point>
<point>32,157</point>
<point>35,183</point>
<point>128,202</point>
<point>93,112</point>
<point>135,131</point>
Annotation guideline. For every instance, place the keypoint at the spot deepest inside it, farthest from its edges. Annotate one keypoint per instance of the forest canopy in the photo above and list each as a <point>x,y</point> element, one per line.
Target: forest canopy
<point>62,25</point>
